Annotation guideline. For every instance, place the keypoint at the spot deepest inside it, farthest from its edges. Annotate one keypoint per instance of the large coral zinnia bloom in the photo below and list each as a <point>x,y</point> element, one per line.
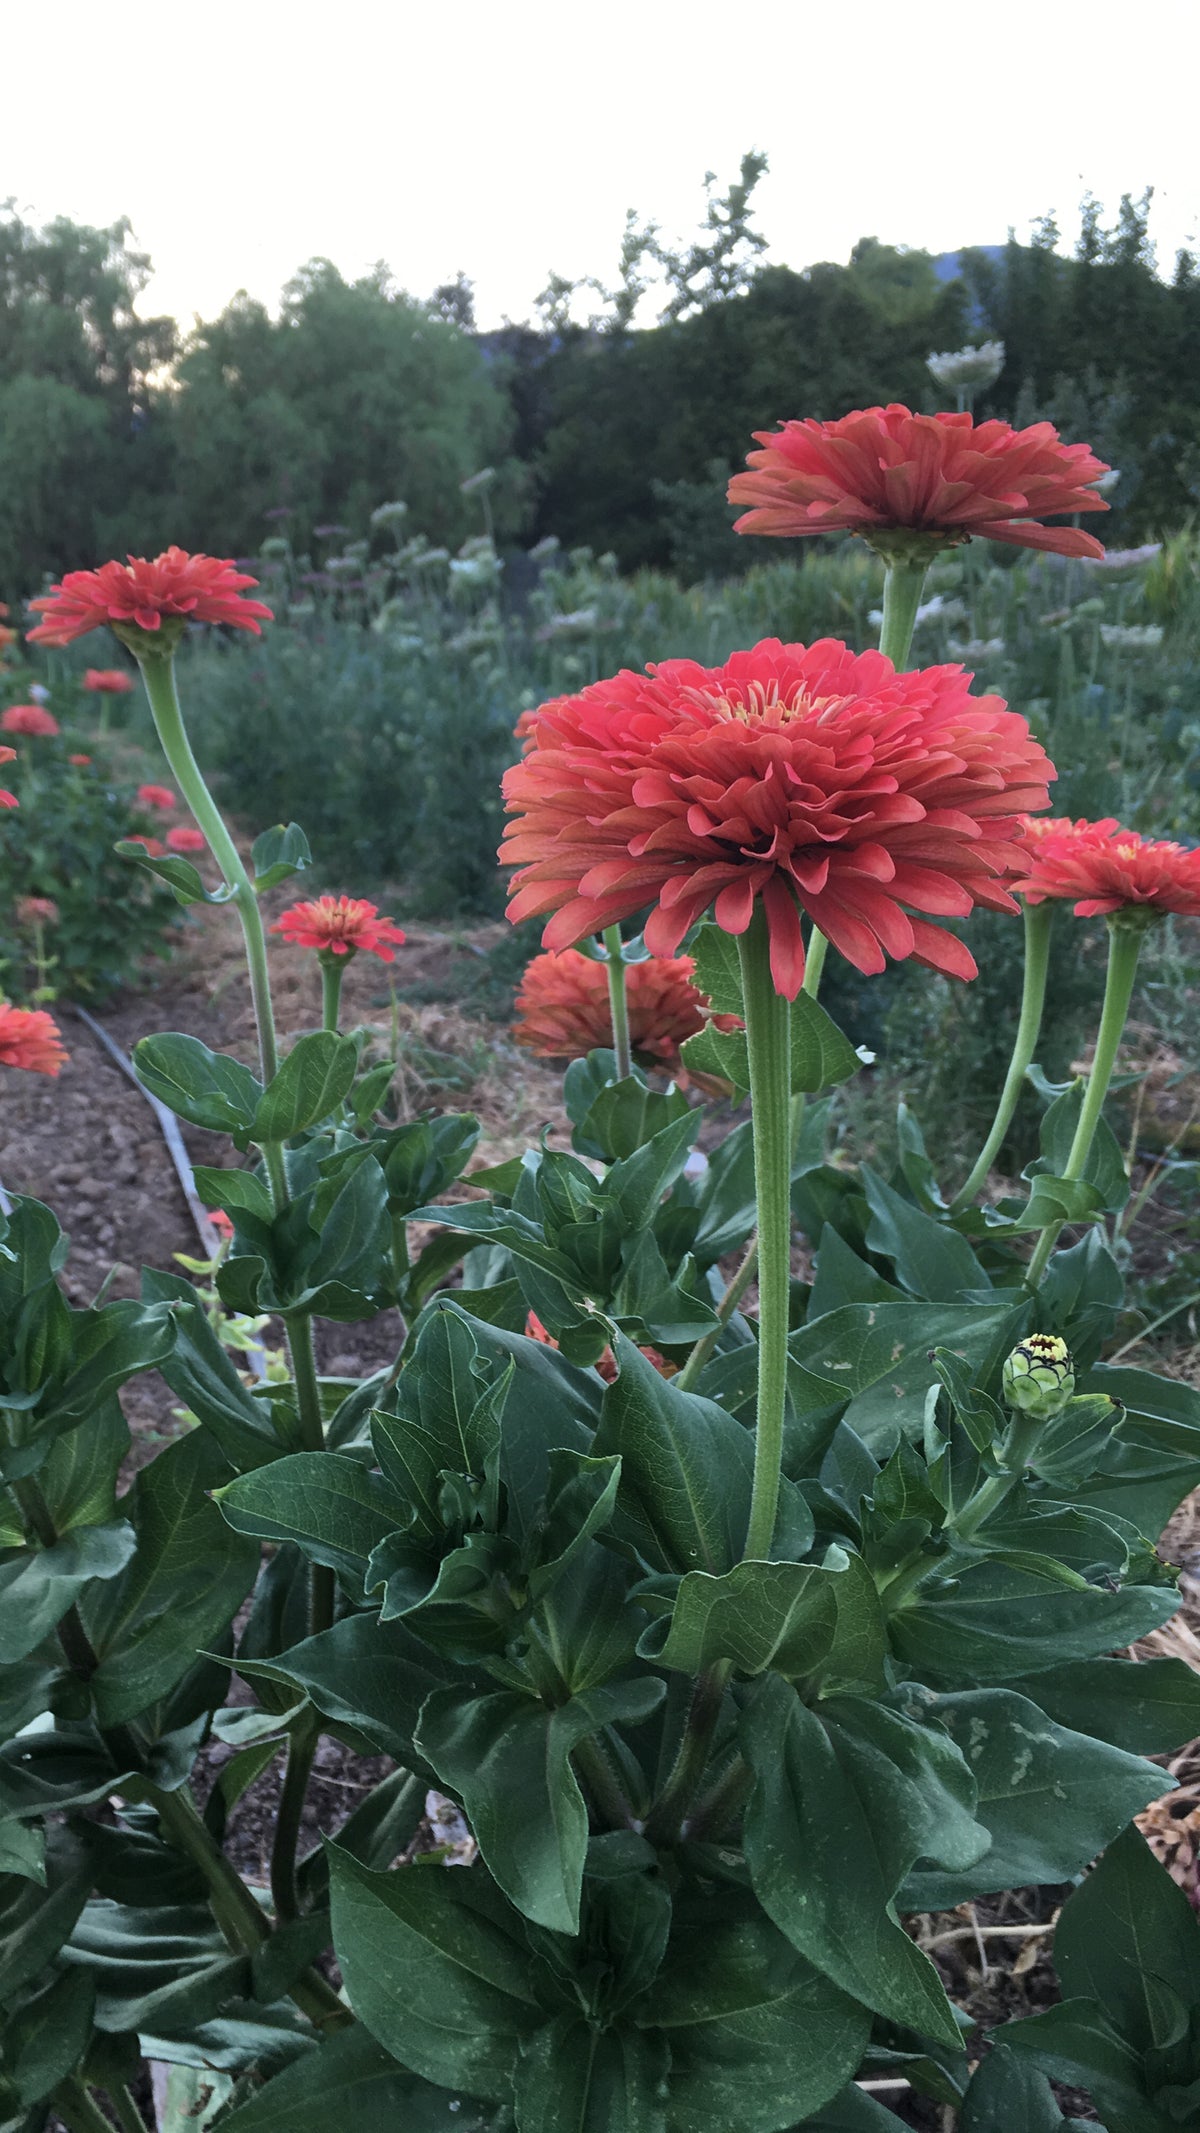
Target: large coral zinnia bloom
<point>884,468</point>
<point>564,1011</point>
<point>1100,868</point>
<point>30,719</point>
<point>339,925</point>
<point>175,586</point>
<point>30,1039</point>
<point>811,778</point>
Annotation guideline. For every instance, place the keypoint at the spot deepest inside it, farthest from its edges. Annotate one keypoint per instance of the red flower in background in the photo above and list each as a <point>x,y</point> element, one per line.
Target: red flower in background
<point>8,755</point>
<point>810,778</point>
<point>36,911</point>
<point>339,925</point>
<point>157,796</point>
<point>108,681</point>
<point>183,838</point>
<point>79,761</point>
<point>1100,867</point>
<point>607,1365</point>
<point>563,1006</point>
<point>221,1223</point>
<point>150,844</point>
<point>175,586</point>
<point>30,719</point>
<point>882,468</point>
<point>30,1039</point>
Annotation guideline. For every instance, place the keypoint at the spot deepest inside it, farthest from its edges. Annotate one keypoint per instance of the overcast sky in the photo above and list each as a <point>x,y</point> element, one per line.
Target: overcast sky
<point>507,140</point>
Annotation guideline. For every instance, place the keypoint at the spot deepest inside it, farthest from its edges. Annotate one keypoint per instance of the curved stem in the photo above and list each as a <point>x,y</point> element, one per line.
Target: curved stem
<point>1022,1436</point>
<point>902,589</point>
<point>158,675</point>
<point>302,1747</point>
<point>1124,947</point>
<point>767,1045</point>
<point>737,1288</point>
<point>1038,921</point>
<point>618,1002</point>
<point>814,962</point>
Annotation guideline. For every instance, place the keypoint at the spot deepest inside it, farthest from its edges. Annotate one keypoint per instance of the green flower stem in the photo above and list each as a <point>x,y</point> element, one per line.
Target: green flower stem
<point>312,1438</point>
<point>159,677</point>
<point>767,1045</point>
<point>814,962</point>
<point>737,1288</point>
<point>670,1811</point>
<point>1124,948</point>
<point>902,589</point>
<point>333,970</point>
<point>1023,1434</point>
<point>78,2109</point>
<point>302,1747</point>
<point>718,1808</point>
<point>618,1002</point>
<point>1038,921</point>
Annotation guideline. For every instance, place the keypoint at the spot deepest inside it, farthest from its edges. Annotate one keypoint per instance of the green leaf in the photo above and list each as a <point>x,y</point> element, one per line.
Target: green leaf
<point>371,1675</point>
<point>573,2076</point>
<point>821,1056</point>
<point>35,1921</point>
<point>626,1116</point>
<point>820,1622</point>
<point>1105,1166</point>
<point>1129,1939</point>
<point>1050,1798</point>
<point>201,1372</point>
<point>310,1086</point>
<point>931,1259</point>
<point>686,1468</point>
<point>437,1969</point>
<point>1073,2043</point>
<point>37,1585</point>
<point>1005,2095</point>
<point>875,1357</point>
<point>23,1851</point>
<point>192,2099</point>
<point>1069,1446</point>
<point>278,854</point>
<point>204,1087</point>
<point>47,2039</point>
<point>330,1505</point>
<point>78,1476</point>
<point>995,1623</point>
<point>351,2081</point>
<point>108,1346</point>
<point>718,1055</point>
<point>178,1593</point>
<point>718,973</point>
<point>498,1749</point>
<point>161,1967</point>
<point>181,877</point>
<point>1147,1706</point>
<point>841,1808</point>
<point>853,2111</point>
<point>758,2038</point>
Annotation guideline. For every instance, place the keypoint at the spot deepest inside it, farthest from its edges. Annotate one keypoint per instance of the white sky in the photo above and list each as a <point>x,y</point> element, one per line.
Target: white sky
<point>508,138</point>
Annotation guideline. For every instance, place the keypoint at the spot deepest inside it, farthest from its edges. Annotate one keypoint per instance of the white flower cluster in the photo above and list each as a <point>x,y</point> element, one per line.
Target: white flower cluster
<point>1130,638</point>
<point>967,369</point>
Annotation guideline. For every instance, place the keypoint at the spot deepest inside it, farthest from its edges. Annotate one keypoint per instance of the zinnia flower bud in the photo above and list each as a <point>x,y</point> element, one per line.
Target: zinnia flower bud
<point>1039,1376</point>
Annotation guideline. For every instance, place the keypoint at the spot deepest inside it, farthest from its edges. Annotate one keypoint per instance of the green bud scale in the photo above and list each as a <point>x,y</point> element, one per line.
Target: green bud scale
<point>1039,1376</point>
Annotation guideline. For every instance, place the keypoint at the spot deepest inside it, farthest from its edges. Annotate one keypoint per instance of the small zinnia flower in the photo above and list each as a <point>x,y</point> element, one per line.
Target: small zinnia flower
<point>159,797</point>
<point>1100,868</point>
<point>30,719</point>
<point>221,1223</point>
<point>108,681</point>
<point>184,838</point>
<point>34,911</point>
<point>174,589</point>
<point>607,1365</point>
<point>811,778</point>
<point>8,799</point>
<point>883,471</point>
<point>151,845</point>
<point>30,1039</point>
<point>564,1012</point>
<point>340,925</point>
<point>79,762</point>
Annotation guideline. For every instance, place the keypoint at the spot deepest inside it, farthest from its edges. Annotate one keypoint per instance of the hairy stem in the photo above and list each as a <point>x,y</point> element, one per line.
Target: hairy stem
<point>902,589</point>
<point>1038,921</point>
<point>1124,947</point>
<point>618,1002</point>
<point>670,1810</point>
<point>767,1044</point>
<point>738,1285</point>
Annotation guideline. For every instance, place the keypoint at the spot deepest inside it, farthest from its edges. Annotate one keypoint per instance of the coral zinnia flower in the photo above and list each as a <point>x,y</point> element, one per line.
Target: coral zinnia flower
<point>108,681</point>
<point>1101,868</point>
<point>175,587</point>
<point>157,796</point>
<point>883,468</point>
<point>338,925</point>
<point>8,755</point>
<point>810,777</point>
<point>150,844</point>
<point>607,1365</point>
<point>28,718</point>
<point>183,838</point>
<point>564,1012</point>
<point>36,911</point>
<point>79,762</point>
<point>30,1039</point>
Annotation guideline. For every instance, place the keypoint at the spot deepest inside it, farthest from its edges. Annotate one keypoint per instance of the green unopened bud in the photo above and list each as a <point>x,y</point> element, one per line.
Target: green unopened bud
<point>1039,1376</point>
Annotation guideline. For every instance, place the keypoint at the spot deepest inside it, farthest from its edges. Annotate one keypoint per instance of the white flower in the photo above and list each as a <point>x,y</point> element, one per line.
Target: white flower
<point>38,693</point>
<point>1132,638</point>
<point>976,649</point>
<point>967,369</point>
<point>389,514</point>
<point>1106,483</point>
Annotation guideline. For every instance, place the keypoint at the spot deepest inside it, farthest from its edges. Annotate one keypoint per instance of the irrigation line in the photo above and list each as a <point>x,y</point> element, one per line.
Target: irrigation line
<point>169,1125</point>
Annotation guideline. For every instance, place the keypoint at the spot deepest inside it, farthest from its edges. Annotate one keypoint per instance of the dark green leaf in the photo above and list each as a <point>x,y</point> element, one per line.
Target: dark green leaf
<point>37,1585</point>
<point>820,1622</point>
<point>1129,1939</point>
<point>309,1087</point>
<point>1146,1706</point>
<point>352,2081</point>
<point>996,1623</point>
<point>686,1468</point>
<point>572,2076</point>
<point>277,854</point>
<point>364,1673</point>
<point>1006,2095</point>
<point>35,1921</point>
<point>181,877</point>
<point>931,1259</point>
<point>1073,2044</point>
<point>875,1356</point>
<point>47,2040</point>
<point>1105,1166</point>
<point>330,1505</point>
<point>204,1087</point>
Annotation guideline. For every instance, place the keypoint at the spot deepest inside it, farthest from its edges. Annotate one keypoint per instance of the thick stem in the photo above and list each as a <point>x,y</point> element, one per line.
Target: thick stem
<point>159,677</point>
<point>124,2103</point>
<point>767,1044</point>
<point>721,1805</point>
<point>1038,921</point>
<point>737,1288</point>
<point>670,1810</point>
<point>902,589</point>
<point>608,1794</point>
<point>301,1749</point>
<point>78,2109</point>
<point>333,970</point>
<point>618,1002</point>
<point>1124,947</point>
<point>1023,1434</point>
<point>321,1588</point>
<point>814,962</point>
